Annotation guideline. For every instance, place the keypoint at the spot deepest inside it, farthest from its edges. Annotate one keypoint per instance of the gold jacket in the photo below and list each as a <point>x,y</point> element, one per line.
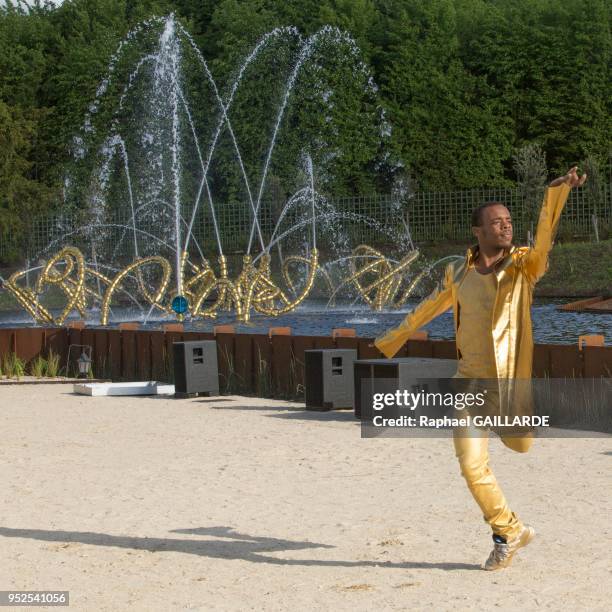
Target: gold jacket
<point>517,274</point>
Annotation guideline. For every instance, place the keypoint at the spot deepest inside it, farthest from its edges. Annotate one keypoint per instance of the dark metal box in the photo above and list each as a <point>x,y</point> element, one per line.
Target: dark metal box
<point>328,378</point>
<point>195,368</point>
<point>401,373</point>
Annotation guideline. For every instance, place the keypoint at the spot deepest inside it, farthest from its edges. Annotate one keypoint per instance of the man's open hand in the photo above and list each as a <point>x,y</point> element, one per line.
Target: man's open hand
<point>571,178</point>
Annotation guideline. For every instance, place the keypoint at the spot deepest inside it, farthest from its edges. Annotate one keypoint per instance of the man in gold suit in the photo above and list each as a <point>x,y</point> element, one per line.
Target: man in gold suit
<point>490,293</point>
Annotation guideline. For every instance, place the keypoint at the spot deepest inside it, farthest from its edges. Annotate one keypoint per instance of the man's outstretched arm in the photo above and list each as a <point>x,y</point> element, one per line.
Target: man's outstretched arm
<point>439,301</point>
<point>535,262</point>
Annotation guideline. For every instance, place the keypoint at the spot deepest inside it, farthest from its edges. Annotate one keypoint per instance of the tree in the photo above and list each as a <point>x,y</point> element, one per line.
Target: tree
<point>595,191</point>
<point>548,67</point>
<point>445,129</point>
<point>531,173</point>
<point>21,197</point>
<point>462,84</point>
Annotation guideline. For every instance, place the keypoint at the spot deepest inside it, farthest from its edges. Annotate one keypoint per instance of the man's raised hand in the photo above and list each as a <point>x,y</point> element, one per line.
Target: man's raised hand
<point>571,178</point>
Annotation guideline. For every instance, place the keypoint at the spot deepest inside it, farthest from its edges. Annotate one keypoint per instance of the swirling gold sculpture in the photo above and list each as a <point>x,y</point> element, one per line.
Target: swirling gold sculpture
<point>384,277</point>
<point>253,289</point>
<point>299,259</point>
<point>71,280</point>
<point>136,266</point>
<point>378,281</point>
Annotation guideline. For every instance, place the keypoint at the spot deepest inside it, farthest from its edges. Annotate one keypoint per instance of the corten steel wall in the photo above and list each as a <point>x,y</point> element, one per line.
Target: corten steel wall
<point>255,363</point>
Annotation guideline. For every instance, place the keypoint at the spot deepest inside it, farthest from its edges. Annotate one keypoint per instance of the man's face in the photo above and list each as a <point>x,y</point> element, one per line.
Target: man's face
<point>495,230</point>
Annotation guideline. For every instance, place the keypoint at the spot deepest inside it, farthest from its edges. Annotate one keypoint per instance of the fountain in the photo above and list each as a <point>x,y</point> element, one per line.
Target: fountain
<point>153,162</point>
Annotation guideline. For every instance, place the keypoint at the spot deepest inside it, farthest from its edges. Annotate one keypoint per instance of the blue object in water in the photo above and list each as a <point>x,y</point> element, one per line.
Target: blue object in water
<point>179,304</point>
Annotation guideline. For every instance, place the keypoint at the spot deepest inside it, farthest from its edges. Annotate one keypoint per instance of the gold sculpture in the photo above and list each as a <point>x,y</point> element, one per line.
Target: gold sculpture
<point>300,259</point>
<point>384,277</point>
<point>378,281</point>
<point>253,289</point>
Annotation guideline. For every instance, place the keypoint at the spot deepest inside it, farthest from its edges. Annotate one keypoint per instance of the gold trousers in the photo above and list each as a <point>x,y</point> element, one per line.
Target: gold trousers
<point>472,450</point>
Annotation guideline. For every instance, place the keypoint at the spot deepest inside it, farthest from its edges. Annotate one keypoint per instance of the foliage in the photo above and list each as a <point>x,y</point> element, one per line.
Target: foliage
<point>263,380</point>
<point>13,366</point>
<point>462,84</point>
<point>595,192</point>
<point>21,195</point>
<point>568,262</point>
<point>530,167</point>
<point>38,367</point>
<point>53,364</point>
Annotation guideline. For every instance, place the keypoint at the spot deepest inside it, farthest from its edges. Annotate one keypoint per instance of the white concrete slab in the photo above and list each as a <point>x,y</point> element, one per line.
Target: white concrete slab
<point>150,387</point>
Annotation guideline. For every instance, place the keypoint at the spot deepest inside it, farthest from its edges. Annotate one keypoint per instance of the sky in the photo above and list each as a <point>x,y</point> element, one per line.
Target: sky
<point>56,2</point>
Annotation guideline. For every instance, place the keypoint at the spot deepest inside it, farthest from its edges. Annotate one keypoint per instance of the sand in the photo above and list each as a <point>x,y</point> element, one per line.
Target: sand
<point>238,503</point>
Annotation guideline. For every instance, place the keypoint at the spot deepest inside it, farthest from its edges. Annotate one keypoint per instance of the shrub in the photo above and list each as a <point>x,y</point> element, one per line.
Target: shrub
<point>53,360</point>
<point>38,367</point>
<point>13,366</point>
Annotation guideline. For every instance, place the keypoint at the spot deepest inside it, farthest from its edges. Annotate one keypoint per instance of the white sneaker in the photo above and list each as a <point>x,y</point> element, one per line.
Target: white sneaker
<point>502,553</point>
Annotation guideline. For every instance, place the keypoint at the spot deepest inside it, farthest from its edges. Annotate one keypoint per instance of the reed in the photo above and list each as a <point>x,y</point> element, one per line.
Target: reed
<point>234,383</point>
<point>263,381</point>
<point>38,367</point>
<point>13,366</point>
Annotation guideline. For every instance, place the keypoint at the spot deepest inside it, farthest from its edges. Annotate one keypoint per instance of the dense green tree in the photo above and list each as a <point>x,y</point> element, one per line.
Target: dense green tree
<point>445,130</point>
<point>21,196</point>
<point>463,83</point>
<point>548,67</point>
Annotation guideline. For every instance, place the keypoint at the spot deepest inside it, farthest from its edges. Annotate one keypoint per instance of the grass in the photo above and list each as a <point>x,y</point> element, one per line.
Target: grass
<point>578,269</point>
<point>233,382</point>
<point>101,369</point>
<point>575,269</point>
<point>168,367</point>
<point>53,364</point>
<point>53,298</point>
<point>13,366</point>
<point>38,367</point>
<point>296,389</point>
<point>575,403</point>
<point>263,380</point>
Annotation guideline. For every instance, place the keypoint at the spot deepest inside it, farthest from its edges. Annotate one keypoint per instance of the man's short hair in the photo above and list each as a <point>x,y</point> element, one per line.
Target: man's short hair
<point>477,212</point>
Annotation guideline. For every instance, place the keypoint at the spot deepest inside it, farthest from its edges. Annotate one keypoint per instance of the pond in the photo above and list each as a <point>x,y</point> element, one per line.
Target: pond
<point>315,319</point>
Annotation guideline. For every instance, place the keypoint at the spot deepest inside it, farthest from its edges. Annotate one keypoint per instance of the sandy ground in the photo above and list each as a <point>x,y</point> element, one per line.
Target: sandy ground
<point>243,504</point>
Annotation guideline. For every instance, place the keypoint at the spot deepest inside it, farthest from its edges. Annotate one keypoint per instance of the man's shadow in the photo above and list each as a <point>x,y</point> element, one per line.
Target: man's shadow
<point>229,544</point>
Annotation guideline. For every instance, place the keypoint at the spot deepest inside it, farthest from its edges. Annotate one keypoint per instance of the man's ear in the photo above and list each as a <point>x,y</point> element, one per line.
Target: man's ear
<point>475,231</point>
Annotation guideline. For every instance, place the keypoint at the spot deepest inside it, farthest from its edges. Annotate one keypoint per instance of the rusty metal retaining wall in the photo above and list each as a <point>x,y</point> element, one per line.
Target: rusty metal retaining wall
<point>255,363</point>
